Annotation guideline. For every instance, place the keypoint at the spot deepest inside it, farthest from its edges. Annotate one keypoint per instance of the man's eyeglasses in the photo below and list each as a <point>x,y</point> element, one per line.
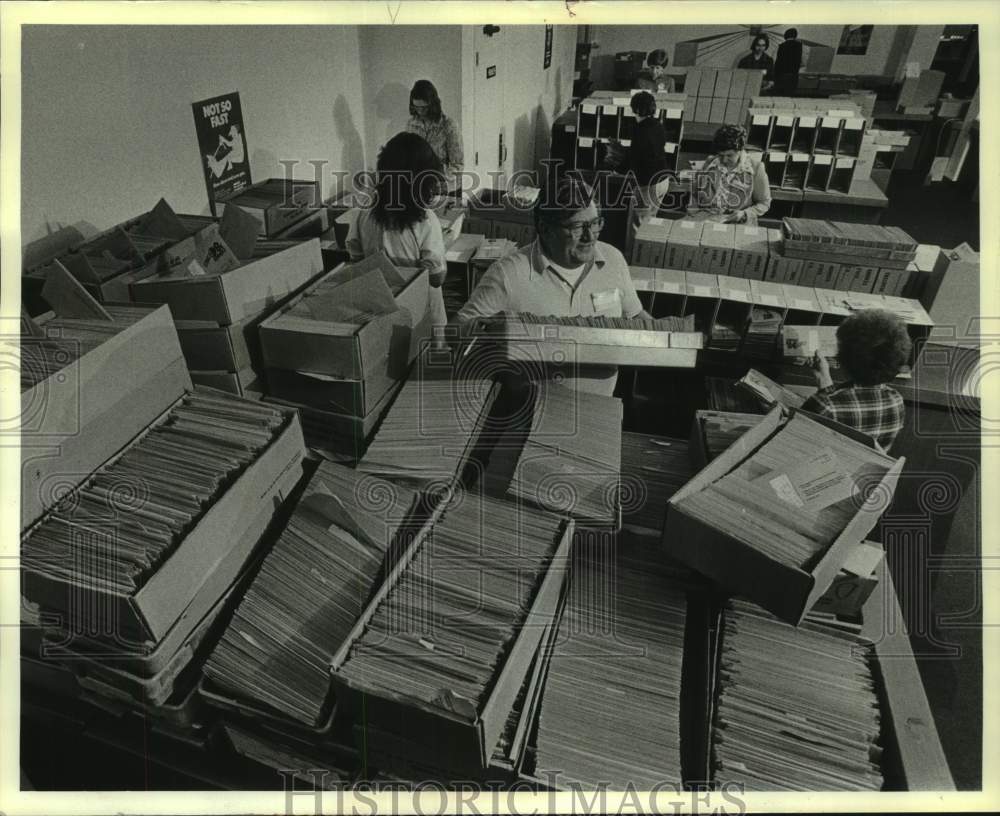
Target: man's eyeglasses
<point>576,228</point>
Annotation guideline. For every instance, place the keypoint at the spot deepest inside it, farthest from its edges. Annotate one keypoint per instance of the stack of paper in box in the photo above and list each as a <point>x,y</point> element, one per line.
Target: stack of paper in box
<point>797,707</point>
<point>429,433</point>
<point>635,739</point>
<point>716,431</point>
<point>766,391</point>
<point>443,649</point>
<point>762,332</point>
<point>571,461</point>
<point>653,469</point>
<point>308,595</point>
<point>345,345</point>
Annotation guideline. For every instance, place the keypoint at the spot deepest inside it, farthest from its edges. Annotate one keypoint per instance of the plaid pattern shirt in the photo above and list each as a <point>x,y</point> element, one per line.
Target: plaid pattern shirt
<point>875,410</point>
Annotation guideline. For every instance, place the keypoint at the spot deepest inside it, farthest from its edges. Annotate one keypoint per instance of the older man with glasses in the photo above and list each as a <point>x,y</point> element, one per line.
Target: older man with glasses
<point>565,272</point>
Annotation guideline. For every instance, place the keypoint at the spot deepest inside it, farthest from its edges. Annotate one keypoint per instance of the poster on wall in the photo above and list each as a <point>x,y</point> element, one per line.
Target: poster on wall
<point>548,47</point>
<point>854,40</point>
<point>222,145</point>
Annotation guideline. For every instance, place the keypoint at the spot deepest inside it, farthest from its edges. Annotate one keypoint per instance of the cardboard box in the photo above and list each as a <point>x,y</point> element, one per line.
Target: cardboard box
<point>764,293</point>
<point>243,383</point>
<point>692,83</point>
<point>856,278</point>
<point>459,259</point>
<point>650,243</point>
<point>717,114</point>
<point>782,269</point>
<point>787,592</point>
<point>951,294</point>
<point>750,252</point>
<point>381,348</point>
<point>708,79</point>
<point>240,293</point>
<point>193,567</point>
<point>734,113</point>
<point>76,419</point>
<point>723,83</point>
<point>683,245</point>
<point>458,740</point>
<point>703,109</point>
<point>734,289</point>
<point>892,281</point>
<point>738,83</point>
<point>276,204</point>
<point>358,397</point>
<point>717,243</point>
<point>702,285</point>
<point>854,583</point>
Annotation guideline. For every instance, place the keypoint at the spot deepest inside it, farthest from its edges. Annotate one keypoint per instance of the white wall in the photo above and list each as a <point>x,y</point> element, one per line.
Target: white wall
<point>392,59</point>
<point>613,39</point>
<point>107,127</point>
<point>534,96</point>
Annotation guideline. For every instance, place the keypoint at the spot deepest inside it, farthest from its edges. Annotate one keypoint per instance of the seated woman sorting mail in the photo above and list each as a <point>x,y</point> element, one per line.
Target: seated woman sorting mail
<point>872,347</point>
<point>732,185</point>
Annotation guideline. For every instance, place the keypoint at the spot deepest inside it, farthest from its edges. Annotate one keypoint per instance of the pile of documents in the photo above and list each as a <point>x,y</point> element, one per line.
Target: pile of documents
<point>762,332</point>
<point>794,495</point>
<point>610,708</point>
<point>62,340</point>
<point>719,429</point>
<point>653,469</point>
<point>309,593</point>
<point>116,529</point>
<point>440,635</point>
<point>571,461</point>
<point>725,337</point>
<point>429,431</point>
<point>671,324</point>
<point>766,391</point>
<point>797,707</point>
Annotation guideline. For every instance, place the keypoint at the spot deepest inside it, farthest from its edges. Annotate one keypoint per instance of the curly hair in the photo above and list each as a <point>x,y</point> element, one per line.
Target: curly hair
<point>407,175</point>
<point>424,91</point>
<point>643,104</point>
<point>872,345</point>
<point>729,137</point>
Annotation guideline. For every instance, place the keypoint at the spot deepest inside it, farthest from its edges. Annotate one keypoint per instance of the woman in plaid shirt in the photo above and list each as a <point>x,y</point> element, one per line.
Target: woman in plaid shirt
<point>872,346</point>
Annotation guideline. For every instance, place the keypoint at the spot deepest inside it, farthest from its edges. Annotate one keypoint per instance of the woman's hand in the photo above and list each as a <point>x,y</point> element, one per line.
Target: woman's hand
<point>821,370</point>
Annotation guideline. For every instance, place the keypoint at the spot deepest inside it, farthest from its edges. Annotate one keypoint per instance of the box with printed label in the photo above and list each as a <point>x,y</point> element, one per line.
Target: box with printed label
<point>684,245</point>
<point>717,243</point>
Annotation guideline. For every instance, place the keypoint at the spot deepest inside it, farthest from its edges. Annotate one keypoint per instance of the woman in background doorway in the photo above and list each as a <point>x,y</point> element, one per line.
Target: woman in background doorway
<point>732,186</point>
<point>438,130</point>
<point>399,221</point>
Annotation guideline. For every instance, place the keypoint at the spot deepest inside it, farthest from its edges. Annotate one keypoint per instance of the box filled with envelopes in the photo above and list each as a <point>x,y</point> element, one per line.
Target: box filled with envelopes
<point>774,517</point>
<point>413,682</point>
<point>353,335</point>
<point>276,204</point>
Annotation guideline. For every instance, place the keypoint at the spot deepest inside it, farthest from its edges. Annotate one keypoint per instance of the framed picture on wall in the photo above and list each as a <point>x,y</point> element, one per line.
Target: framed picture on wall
<point>854,40</point>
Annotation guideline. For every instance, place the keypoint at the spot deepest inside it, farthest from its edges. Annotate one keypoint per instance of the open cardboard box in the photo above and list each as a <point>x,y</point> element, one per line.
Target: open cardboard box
<point>76,419</point>
<point>204,560</point>
<point>788,592</point>
<point>349,351</point>
<point>274,212</point>
<point>230,297</point>
<point>460,742</point>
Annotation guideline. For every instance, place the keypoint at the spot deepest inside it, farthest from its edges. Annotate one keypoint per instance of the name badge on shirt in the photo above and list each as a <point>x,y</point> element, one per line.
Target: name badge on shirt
<point>608,301</point>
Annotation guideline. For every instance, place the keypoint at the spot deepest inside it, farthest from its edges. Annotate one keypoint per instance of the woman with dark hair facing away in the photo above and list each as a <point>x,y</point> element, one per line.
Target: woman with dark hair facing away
<point>646,161</point>
<point>758,59</point>
<point>872,346</point>
<point>399,221</point>
<point>654,78</point>
<point>439,131</point>
<point>732,186</point>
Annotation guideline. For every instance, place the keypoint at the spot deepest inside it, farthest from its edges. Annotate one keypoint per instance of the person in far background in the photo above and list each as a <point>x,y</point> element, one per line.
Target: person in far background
<point>398,221</point>
<point>646,161</point>
<point>438,130</point>
<point>654,78</point>
<point>732,186</point>
<point>759,60</point>
<point>787,64</point>
<point>872,346</point>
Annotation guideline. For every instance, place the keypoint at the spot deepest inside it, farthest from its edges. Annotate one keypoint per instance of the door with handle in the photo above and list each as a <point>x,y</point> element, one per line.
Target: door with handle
<point>489,149</point>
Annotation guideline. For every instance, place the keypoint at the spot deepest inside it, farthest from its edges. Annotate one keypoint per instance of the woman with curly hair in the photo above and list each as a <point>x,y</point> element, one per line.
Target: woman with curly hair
<point>872,346</point>
<point>399,220</point>
<point>440,132</point>
<point>732,186</point>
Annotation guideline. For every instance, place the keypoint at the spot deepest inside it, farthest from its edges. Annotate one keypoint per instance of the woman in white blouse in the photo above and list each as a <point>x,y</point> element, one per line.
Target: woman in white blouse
<point>399,220</point>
